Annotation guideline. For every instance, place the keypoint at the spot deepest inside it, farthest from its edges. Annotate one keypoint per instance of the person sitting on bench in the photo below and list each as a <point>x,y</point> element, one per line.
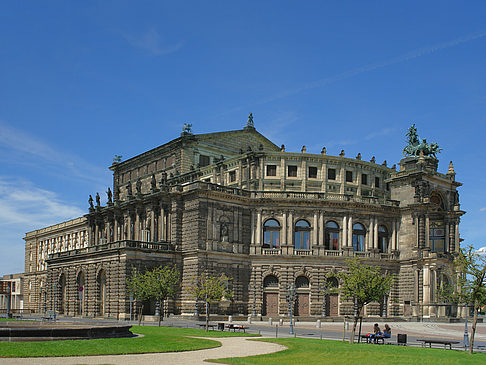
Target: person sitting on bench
<point>376,332</point>
<point>387,331</point>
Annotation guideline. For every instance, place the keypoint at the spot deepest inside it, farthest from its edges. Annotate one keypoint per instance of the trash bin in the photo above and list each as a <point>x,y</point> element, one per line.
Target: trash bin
<point>402,339</point>
<point>221,326</point>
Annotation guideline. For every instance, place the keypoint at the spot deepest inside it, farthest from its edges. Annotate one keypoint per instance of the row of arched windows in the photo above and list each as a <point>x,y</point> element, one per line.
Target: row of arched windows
<point>271,235</point>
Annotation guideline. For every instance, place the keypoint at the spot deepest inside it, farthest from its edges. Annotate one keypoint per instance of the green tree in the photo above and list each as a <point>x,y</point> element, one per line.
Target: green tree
<point>471,284</point>
<point>162,283</point>
<point>210,289</point>
<point>138,287</point>
<point>159,283</point>
<point>363,284</point>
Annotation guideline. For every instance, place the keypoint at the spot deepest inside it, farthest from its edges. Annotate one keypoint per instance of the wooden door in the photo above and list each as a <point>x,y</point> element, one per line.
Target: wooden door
<point>270,304</point>
<point>302,305</point>
<point>333,305</point>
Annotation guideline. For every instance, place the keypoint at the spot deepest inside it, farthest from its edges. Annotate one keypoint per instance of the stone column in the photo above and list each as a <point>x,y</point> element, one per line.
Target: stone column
<point>421,231</point>
<point>343,179</point>
<point>427,230</point>
<point>240,173</point>
<point>394,237</point>
<point>303,186</point>
<point>284,230</point>
<point>446,238</point>
<point>290,235</point>
<point>252,227</point>
<point>426,290</point>
<point>375,234</point>
<point>358,176</point>
<point>258,228</point>
<point>321,229</point>
<point>152,226</point>
<point>315,231</point>
<point>451,237</point>
<point>350,231</point>
<point>282,173</point>
<point>261,175</point>
<point>344,235</point>
<point>370,240</point>
<point>324,178</point>
<point>456,238</point>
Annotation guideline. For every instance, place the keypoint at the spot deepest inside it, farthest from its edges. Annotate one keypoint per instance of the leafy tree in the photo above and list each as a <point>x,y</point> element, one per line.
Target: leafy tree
<point>159,283</point>
<point>363,284</point>
<point>210,289</point>
<point>163,283</point>
<point>471,284</point>
<point>138,287</point>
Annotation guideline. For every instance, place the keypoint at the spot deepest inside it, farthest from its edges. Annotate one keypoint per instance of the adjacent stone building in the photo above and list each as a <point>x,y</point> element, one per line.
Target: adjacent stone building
<point>234,202</point>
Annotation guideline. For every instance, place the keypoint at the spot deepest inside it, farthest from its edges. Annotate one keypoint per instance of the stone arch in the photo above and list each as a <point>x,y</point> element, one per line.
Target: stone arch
<point>81,291</point>
<point>302,296</point>
<point>62,291</point>
<point>437,198</point>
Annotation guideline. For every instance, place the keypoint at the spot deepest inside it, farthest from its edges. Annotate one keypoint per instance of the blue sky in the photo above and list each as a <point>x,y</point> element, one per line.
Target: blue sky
<point>83,81</point>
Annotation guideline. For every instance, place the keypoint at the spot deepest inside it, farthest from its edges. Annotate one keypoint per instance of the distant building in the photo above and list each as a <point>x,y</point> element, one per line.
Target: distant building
<point>235,202</point>
<point>15,283</point>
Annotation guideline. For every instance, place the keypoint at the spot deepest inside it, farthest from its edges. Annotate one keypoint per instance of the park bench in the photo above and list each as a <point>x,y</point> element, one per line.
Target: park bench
<point>211,325</point>
<point>430,341</point>
<point>238,327</point>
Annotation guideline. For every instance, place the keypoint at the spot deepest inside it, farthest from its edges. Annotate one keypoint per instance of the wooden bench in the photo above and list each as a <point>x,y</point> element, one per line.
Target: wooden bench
<point>380,339</point>
<point>430,341</point>
<point>209,326</point>
<point>238,327</point>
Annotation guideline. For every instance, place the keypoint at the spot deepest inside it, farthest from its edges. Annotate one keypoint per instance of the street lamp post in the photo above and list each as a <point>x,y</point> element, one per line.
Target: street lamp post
<point>466,335</point>
<point>291,299</point>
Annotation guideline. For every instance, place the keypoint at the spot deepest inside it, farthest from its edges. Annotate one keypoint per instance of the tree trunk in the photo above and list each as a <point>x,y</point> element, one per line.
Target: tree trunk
<point>355,323</point>
<point>140,310</point>
<point>207,316</point>
<point>161,313</point>
<point>475,321</point>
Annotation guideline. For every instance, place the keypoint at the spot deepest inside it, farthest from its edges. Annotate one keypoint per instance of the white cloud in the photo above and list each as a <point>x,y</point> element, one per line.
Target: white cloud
<point>23,208</point>
<point>482,209</point>
<point>25,205</point>
<point>21,144</point>
<point>151,41</point>
<point>481,251</point>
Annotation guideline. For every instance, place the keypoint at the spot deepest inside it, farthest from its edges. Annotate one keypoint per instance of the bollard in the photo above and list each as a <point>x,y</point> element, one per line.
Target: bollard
<point>270,321</point>
<point>281,321</point>
<point>230,319</point>
<point>276,331</point>
<point>318,323</point>
<point>249,319</point>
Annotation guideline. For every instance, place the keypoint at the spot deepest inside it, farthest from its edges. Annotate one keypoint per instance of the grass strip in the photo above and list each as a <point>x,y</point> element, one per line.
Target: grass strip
<point>155,339</point>
<point>310,352</point>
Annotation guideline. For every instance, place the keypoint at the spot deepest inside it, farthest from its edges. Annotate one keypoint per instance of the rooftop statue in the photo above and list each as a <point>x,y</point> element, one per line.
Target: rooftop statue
<point>187,128</point>
<point>414,146</point>
<point>249,122</point>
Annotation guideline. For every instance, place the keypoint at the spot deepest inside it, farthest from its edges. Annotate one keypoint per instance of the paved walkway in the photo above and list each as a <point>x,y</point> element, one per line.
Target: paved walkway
<point>231,347</point>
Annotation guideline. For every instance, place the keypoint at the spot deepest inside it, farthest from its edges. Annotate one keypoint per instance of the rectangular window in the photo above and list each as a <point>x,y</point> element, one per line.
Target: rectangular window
<point>349,176</point>
<point>232,176</point>
<point>364,179</point>
<point>271,170</point>
<point>292,171</point>
<point>203,160</point>
<point>387,186</point>
<point>312,172</point>
<point>377,182</point>
<point>331,174</point>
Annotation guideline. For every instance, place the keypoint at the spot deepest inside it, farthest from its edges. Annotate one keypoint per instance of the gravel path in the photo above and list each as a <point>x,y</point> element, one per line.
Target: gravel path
<point>230,347</point>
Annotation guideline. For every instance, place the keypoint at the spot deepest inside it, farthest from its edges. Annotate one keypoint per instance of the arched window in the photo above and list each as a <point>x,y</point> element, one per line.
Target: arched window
<point>332,282</point>
<point>301,283</point>
<point>271,234</point>
<point>62,293</point>
<point>81,289</point>
<point>358,237</point>
<point>332,235</point>
<point>383,239</point>
<point>271,281</point>
<point>302,235</point>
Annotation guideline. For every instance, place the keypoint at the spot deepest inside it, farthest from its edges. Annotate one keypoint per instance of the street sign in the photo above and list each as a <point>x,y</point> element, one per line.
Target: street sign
<point>80,289</point>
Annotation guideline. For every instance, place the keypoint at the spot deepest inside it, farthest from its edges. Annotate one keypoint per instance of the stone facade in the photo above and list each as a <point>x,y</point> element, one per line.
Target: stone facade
<point>234,202</point>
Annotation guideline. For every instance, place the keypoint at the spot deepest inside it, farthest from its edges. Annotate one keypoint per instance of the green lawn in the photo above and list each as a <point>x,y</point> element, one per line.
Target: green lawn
<point>309,352</point>
<point>156,339</point>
